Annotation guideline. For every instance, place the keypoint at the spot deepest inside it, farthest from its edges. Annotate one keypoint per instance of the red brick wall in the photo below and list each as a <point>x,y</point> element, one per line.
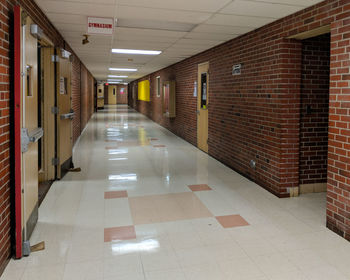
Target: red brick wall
<point>257,115</point>
<point>314,110</point>
<point>122,98</point>
<point>338,198</point>
<point>6,94</point>
<point>245,111</point>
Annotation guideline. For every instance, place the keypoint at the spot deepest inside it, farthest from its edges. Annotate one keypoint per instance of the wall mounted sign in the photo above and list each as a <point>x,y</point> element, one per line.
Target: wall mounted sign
<point>236,69</point>
<point>99,25</point>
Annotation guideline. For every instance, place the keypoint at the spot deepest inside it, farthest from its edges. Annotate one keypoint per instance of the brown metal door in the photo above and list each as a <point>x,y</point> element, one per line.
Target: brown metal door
<point>30,133</point>
<point>65,113</point>
<point>112,95</point>
<point>47,115</point>
<point>202,106</point>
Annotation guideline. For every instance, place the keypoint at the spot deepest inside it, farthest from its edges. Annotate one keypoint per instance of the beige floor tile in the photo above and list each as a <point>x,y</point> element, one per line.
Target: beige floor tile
<point>176,233</point>
<point>167,208</point>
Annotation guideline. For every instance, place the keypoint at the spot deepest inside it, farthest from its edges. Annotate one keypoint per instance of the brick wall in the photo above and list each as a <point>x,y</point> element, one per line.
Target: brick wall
<point>245,111</point>
<point>6,186</point>
<point>314,110</point>
<point>122,98</point>
<point>257,115</point>
<point>338,190</point>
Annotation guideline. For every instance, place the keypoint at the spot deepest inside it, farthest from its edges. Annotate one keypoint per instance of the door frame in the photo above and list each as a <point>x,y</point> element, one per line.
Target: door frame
<point>49,123</point>
<point>19,200</point>
<point>200,144</point>
<point>62,164</point>
<point>17,130</point>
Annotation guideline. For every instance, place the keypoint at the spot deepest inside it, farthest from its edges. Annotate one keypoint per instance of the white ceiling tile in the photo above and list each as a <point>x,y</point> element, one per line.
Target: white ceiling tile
<point>71,27</point>
<point>141,38</point>
<point>156,24</point>
<point>193,5</point>
<point>259,9</point>
<point>77,8</point>
<point>302,3</point>
<point>222,29</point>
<point>210,36</point>
<point>195,42</point>
<point>130,12</point>
<point>233,20</point>
<point>97,2</point>
<point>149,32</point>
<point>155,46</point>
<point>136,59</point>
<point>66,18</point>
<point>179,28</point>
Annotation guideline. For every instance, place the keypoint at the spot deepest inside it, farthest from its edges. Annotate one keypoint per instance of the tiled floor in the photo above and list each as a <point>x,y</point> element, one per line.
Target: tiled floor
<point>148,205</point>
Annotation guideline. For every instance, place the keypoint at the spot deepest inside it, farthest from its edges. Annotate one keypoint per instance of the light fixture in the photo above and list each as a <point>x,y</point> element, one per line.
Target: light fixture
<point>127,51</point>
<point>116,76</point>
<point>123,69</point>
<point>114,80</point>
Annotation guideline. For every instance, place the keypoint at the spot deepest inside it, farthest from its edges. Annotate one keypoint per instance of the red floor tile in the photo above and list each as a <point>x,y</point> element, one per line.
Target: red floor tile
<point>231,221</point>
<point>112,148</point>
<point>201,187</point>
<point>116,194</point>
<point>119,233</point>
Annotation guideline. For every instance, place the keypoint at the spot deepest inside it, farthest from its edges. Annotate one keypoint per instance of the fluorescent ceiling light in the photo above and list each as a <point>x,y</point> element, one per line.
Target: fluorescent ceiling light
<point>123,69</point>
<point>127,51</point>
<point>116,76</point>
<point>114,80</point>
<point>113,83</point>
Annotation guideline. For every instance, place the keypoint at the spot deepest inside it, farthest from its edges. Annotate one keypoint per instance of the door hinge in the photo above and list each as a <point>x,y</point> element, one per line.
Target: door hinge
<point>55,161</point>
<point>55,58</point>
<point>55,110</point>
<point>24,16</point>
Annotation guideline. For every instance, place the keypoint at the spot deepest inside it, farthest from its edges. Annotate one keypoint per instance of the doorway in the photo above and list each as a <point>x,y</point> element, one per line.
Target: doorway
<point>46,117</point>
<point>64,113</point>
<point>314,114</point>
<point>112,95</point>
<point>202,106</point>
<point>27,131</point>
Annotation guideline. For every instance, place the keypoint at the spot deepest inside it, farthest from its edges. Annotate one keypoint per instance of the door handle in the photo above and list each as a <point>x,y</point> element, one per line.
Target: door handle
<point>198,112</point>
<point>30,137</point>
<point>69,115</point>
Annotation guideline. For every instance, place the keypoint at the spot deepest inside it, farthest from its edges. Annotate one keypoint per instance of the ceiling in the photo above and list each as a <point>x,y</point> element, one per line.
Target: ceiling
<point>180,28</point>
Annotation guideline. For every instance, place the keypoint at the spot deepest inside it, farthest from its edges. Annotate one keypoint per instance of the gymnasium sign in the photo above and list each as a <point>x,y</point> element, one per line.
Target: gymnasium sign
<point>98,25</point>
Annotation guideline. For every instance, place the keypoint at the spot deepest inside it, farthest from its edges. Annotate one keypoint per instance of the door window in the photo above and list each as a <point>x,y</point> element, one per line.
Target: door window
<point>29,81</point>
<point>204,90</point>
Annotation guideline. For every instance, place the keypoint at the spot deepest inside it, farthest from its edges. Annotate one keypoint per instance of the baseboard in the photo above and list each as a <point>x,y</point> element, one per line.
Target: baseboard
<point>313,188</point>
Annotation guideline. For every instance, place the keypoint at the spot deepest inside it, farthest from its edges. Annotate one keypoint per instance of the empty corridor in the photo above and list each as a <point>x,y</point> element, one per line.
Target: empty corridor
<point>148,205</point>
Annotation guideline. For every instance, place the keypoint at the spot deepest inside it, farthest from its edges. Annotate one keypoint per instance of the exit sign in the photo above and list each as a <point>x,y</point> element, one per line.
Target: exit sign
<point>99,25</point>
